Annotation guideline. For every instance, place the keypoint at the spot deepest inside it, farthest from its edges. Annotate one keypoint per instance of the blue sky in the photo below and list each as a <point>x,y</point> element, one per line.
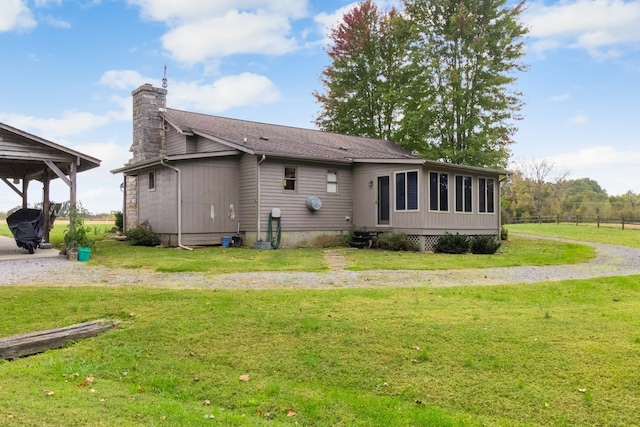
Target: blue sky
<point>69,66</point>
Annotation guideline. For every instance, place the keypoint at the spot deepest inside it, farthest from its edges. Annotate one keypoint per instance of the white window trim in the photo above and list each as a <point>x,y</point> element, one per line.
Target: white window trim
<point>285,179</point>
<point>149,179</point>
<point>336,181</point>
<point>448,192</point>
<point>406,189</point>
<point>455,194</point>
<point>486,211</point>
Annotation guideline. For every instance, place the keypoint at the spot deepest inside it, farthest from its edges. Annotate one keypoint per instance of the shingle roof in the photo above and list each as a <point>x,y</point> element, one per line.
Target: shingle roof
<point>285,141</point>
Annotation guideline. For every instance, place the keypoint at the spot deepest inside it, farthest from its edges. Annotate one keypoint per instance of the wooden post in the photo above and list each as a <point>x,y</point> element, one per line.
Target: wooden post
<point>623,223</point>
<point>25,187</point>
<point>72,177</point>
<point>45,204</point>
<point>598,219</point>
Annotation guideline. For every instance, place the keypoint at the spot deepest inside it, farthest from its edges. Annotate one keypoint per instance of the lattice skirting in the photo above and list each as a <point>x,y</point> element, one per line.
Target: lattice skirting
<point>425,243</point>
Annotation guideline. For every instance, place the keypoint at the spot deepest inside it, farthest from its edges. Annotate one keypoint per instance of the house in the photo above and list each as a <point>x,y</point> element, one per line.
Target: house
<point>25,158</point>
<point>197,178</point>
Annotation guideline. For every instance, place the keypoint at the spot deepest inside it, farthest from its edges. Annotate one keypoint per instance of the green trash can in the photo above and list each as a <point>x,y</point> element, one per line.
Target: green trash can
<point>84,254</point>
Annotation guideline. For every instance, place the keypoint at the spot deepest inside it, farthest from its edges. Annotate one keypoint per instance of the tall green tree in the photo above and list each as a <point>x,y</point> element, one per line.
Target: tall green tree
<point>463,103</point>
<point>363,84</point>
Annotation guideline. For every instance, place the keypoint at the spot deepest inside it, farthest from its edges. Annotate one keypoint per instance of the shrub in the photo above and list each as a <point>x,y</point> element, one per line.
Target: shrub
<point>143,235</point>
<point>119,221</point>
<point>504,233</point>
<point>484,244</point>
<point>396,242</point>
<point>76,235</point>
<point>452,244</point>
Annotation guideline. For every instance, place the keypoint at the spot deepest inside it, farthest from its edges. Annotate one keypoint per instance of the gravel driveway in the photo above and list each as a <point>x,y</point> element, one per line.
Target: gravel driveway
<point>611,260</point>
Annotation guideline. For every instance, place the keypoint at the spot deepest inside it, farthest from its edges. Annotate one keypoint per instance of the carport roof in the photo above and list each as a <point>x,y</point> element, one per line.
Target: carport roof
<point>23,155</point>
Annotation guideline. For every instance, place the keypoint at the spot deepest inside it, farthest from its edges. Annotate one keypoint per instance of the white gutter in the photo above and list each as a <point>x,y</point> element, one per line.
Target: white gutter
<point>180,245</point>
<point>262,159</point>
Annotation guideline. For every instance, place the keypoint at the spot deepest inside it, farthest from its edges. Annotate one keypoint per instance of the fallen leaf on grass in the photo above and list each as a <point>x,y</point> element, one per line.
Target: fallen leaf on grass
<point>48,393</point>
<point>207,402</point>
<point>244,377</point>
<point>291,413</point>
<point>87,381</point>
<point>582,390</point>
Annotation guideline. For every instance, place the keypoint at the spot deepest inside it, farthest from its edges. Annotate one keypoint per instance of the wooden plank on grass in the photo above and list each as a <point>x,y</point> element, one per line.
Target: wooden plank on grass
<point>37,342</point>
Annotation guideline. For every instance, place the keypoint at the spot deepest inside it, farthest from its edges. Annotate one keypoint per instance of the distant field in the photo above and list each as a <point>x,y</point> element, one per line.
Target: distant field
<point>582,232</point>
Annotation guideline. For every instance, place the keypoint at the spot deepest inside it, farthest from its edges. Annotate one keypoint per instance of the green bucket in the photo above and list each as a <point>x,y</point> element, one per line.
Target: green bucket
<point>83,254</point>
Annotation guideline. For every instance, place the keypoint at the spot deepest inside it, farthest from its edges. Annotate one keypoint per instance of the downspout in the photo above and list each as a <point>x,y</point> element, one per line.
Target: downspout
<point>180,245</point>
<point>262,159</point>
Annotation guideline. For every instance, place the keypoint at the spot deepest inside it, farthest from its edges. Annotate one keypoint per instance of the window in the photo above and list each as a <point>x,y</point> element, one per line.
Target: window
<point>332,181</point>
<point>289,182</point>
<point>463,193</point>
<point>152,181</point>
<point>438,191</point>
<point>407,191</point>
<point>486,195</point>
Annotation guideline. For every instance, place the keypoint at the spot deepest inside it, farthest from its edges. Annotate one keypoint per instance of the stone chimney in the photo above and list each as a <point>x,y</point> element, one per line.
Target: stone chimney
<point>147,123</point>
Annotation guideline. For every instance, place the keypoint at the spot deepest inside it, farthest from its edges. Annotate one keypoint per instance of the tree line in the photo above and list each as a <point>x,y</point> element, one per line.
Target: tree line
<point>537,191</point>
<point>437,77</point>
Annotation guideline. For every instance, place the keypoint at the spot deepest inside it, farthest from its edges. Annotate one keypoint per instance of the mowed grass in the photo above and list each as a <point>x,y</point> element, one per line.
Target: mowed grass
<point>217,260</point>
<point>517,251</point>
<point>583,232</point>
<point>550,354</point>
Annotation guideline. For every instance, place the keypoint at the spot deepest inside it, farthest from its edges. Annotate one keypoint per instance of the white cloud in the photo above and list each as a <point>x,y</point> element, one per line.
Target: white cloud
<point>70,123</point>
<point>174,12</point>
<point>58,23</point>
<point>614,169</point>
<point>201,31</point>
<point>602,27</point>
<point>561,97</point>
<point>233,33</point>
<point>327,21</point>
<point>123,79</point>
<point>246,89</point>
<point>579,119</point>
<point>15,15</point>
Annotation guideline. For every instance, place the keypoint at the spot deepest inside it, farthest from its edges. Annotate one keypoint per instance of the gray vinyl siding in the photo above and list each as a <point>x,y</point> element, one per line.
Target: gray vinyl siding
<point>158,206</point>
<point>311,180</point>
<point>206,183</point>
<point>423,221</point>
<point>248,192</point>
<point>175,143</point>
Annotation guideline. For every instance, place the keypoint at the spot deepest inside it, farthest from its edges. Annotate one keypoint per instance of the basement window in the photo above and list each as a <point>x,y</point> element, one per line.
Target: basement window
<point>152,181</point>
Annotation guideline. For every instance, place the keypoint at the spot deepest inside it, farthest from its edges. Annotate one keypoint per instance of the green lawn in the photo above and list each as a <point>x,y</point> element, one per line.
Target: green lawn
<point>533,355</point>
<point>546,354</point>
<point>582,232</point>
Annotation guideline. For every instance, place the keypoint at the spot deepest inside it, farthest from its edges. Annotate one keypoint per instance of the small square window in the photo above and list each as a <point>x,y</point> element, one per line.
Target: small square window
<point>332,182</point>
<point>289,181</point>
<point>152,181</point>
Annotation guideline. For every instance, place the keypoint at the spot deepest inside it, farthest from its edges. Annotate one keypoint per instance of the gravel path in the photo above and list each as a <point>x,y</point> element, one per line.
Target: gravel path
<point>611,260</point>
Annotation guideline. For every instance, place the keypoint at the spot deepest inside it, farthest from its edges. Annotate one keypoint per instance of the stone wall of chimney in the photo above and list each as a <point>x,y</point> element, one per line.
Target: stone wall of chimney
<point>147,123</point>
<point>131,202</point>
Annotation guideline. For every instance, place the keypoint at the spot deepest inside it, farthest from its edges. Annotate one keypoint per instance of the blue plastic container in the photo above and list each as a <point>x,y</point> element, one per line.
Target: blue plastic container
<point>225,241</point>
